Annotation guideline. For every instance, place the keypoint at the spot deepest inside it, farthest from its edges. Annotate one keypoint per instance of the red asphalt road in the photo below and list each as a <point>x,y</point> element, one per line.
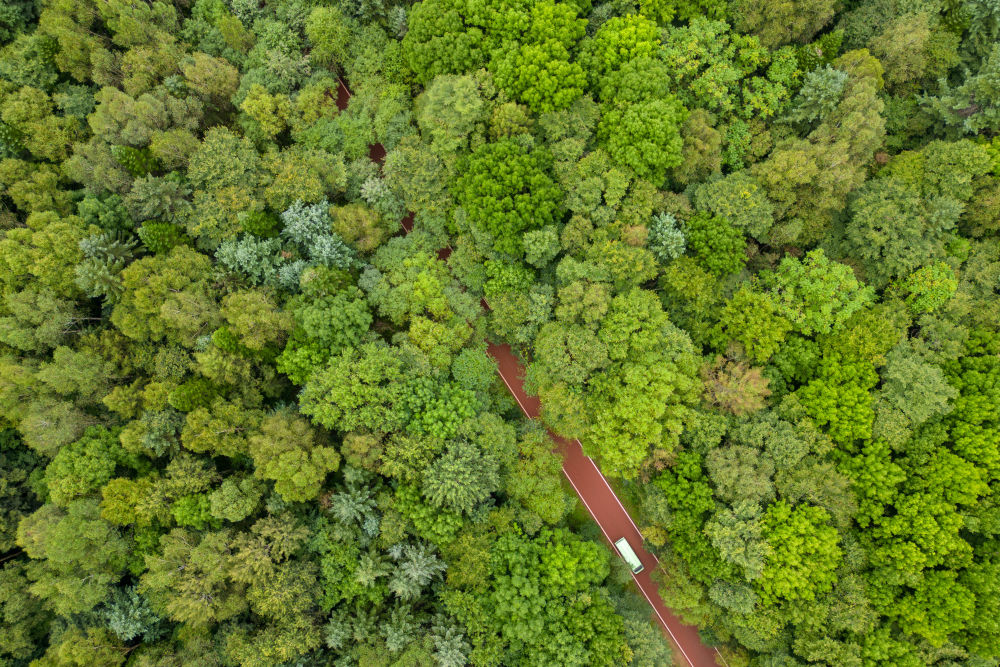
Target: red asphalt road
<point>588,482</point>
<point>607,511</point>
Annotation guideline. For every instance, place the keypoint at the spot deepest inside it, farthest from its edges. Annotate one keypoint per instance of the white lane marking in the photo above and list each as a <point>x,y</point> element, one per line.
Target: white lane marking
<point>512,392</point>
<point>634,578</point>
<point>596,469</point>
<point>604,532</point>
<point>615,496</point>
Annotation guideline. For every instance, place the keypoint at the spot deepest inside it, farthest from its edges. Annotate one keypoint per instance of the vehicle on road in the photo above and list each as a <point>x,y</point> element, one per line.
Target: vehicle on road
<point>628,555</point>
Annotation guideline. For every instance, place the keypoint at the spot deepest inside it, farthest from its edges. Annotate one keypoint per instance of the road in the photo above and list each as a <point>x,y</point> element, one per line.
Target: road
<point>607,511</point>
<point>590,485</point>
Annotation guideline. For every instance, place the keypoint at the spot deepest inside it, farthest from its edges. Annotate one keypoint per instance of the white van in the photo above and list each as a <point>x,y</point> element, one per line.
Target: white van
<point>628,555</point>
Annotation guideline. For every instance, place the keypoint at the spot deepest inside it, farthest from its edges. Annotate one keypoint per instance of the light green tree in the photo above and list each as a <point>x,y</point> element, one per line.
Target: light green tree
<point>291,453</point>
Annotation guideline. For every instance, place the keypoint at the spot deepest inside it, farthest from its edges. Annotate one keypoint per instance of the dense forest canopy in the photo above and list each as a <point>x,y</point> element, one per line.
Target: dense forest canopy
<point>749,251</point>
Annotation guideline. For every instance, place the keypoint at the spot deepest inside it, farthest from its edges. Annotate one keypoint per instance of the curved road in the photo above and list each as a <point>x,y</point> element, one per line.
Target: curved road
<point>590,485</point>
<point>607,511</point>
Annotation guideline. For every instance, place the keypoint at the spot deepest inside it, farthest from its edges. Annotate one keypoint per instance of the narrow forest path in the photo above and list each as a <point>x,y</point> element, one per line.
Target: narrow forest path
<point>586,479</point>
<point>607,511</point>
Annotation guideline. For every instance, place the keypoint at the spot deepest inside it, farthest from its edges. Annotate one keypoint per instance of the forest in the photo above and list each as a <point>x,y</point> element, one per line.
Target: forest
<point>748,250</point>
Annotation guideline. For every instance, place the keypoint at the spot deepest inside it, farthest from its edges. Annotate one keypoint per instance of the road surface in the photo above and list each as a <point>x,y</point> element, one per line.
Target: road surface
<point>607,511</point>
<point>590,485</point>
